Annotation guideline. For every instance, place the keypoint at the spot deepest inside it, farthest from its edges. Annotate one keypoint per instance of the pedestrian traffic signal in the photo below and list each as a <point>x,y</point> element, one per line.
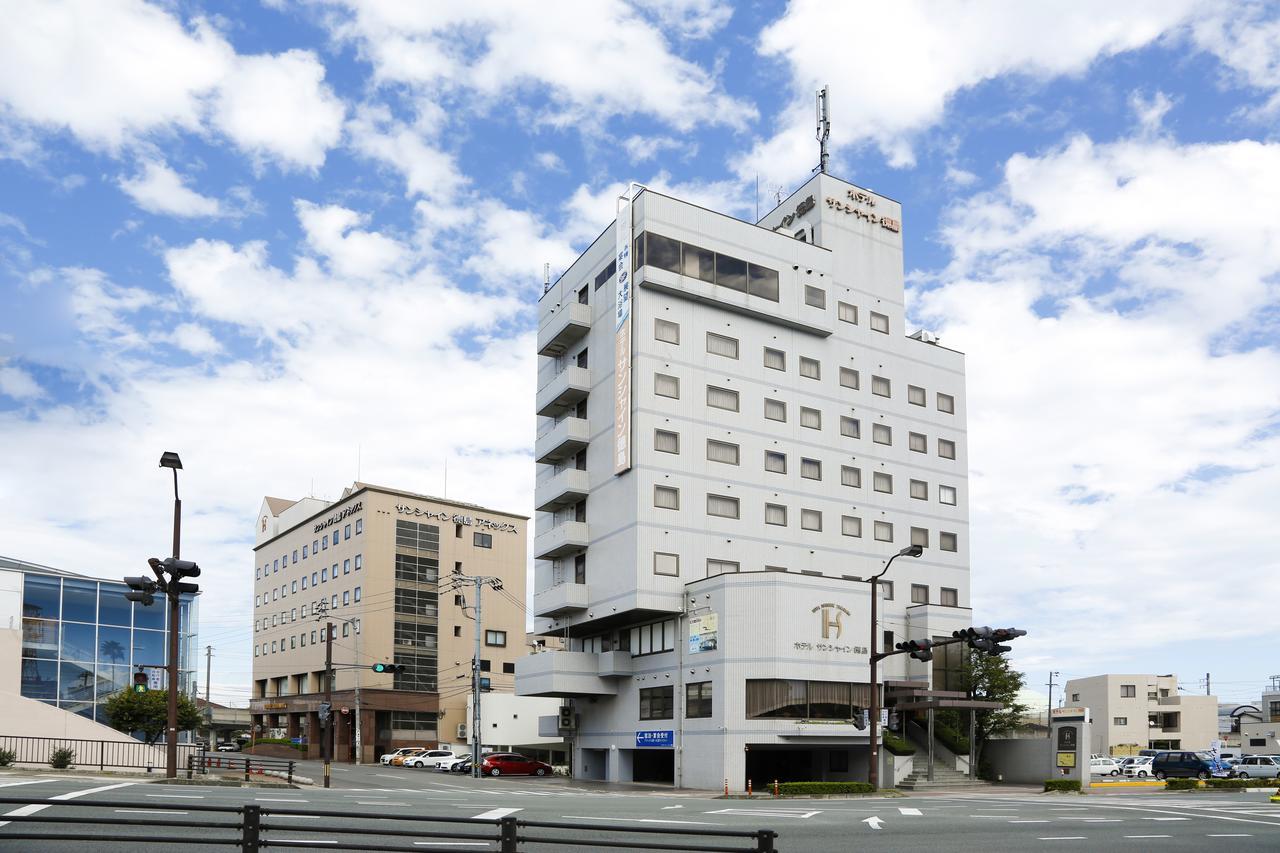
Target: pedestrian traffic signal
<point>390,668</point>
<point>139,682</point>
<point>141,590</point>
<point>921,649</point>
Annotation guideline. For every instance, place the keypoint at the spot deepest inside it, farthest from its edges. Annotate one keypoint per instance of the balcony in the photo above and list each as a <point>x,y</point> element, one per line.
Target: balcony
<point>564,391</point>
<point>560,599</point>
<point>564,328</point>
<point>564,489</point>
<point>561,540</point>
<point>616,665</point>
<point>562,440</point>
<point>562,674</point>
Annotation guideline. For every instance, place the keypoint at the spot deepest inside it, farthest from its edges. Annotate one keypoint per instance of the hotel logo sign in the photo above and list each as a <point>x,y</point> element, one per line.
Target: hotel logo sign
<point>457,518</point>
<point>832,620</point>
<point>855,205</point>
<point>339,516</point>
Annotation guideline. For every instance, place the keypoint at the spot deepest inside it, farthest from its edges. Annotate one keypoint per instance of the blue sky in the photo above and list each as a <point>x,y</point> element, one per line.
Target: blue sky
<point>235,230</point>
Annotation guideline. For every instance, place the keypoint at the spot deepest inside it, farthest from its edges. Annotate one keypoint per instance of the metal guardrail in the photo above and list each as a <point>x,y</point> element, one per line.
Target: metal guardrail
<point>204,761</point>
<point>93,753</point>
<point>254,828</point>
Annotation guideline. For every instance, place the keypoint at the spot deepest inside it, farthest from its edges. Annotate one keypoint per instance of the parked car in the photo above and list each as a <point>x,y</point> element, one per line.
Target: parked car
<point>229,746</point>
<point>1138,766</point>
<point>1258,767</point>
<point>463,766</point>
<point>399,760</point>
<point>386,759</point>
<point>1186,765</point>
<point>512,764</point>
<point>427,758</point>
<point>1104,767</point>
<point>451,762</point>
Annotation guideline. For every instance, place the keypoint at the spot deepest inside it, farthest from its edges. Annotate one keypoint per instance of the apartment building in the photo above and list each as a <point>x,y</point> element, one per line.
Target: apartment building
<point>1260,732</point>
<point>1136,712</point>
<point>371,563</point>
<point>734,430</point>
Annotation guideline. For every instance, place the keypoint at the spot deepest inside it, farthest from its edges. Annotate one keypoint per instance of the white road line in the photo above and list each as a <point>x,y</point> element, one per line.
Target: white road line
<point>1096,819</point>
<point>1166,818</point>
<point>378,803</point>
<point>494,814</point>
<point>275,800</point>
<point>915,812</point>
<point>24,782</point>
<point>1148,836</point>
<point>451,844</point>
<point>149,811</point>
<point>1064,838</point>
<point>1231,835</point>
<point>23,811</point>
<point>995,816</point>
<point>1028,821</point>
<point>178,796</point>
<point>641,820</point>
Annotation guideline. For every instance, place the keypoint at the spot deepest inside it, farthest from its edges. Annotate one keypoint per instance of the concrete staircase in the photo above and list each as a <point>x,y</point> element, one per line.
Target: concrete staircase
<point>945,775</point>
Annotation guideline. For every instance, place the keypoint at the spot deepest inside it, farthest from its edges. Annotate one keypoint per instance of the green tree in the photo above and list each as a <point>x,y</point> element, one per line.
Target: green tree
<point>148,713</point>
<point>989,679</point>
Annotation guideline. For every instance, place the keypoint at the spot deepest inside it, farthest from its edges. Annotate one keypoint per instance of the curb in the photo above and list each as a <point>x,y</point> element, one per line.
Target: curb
<point>887,793</point>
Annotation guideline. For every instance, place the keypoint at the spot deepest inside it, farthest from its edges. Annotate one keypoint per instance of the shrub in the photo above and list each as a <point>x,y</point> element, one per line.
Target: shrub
<point>7,757</point>
<point>951,739</point>
<point>1241,783</point>
<point>1065,785</point>
<point>1181,784</point>
<point>897,745</point>
<point>282,741</point>
<point>825,788</point>
<point>61,758</point>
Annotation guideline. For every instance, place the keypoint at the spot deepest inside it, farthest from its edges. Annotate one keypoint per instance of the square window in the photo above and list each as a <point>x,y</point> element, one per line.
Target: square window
<point>775,359</point>
<point>722,345</point>
<point>847,313</point>
<point>481,540</point>
<point>886,590</point>
<point>851,525</point>
<point>1128,691</point>
<point>947,495</point>
<point>666,386</point>
<point>881,386</point>
<point>849,378</point>
<point>810,519</point>
<point>810,469</point>
<point>850,476</point>
<point>882,482</point>
<point>665,441</point>
<point>656,703</point>
<point>950,597</point>
<point>495,638</point>
<point>721,567</point>
<point>883,531</point>
<point>810,418</point>
<point>722,506</point>
<point>810,368</point>
<point>916,395</point>
<point>918,442</point>
<point>947,403</point>
<point>775,462</point>
<point>722,451</point>
<point>946,448</point>
<point>920,490</point>
<point>775,514</point>
<point>919,594</point>
<point>722,398</point>
<point>666,497</point>
<point>920,536</point>
<point>775,410</point>
<point>850,427</point>
<point>882,434</point>
<point>815,297</point>
<point>947,541</point>
<point>879,323</point>
<point>665,330</point>
<point>697,700</point>
<point>666,564</point>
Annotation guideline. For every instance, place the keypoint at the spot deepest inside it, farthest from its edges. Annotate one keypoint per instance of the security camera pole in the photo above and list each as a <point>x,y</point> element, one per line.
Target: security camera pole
<point>456,580</point>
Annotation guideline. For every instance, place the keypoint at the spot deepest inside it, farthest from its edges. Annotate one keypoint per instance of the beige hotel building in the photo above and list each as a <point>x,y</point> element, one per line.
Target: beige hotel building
<point>371,563</point>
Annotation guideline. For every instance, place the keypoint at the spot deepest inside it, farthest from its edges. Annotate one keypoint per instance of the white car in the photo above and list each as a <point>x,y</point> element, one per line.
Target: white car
<point>428,758</point>
<point>386,759</point>
<point>1139,767</point>
<point>447,765</point>
<point>1258,767</point>
<point>1104,767</point>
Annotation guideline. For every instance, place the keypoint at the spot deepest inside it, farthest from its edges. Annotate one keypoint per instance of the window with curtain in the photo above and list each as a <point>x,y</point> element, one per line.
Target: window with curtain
<point>815,297</point>
<point>722,451</point>
<point>917,442</point>
<point>722,506</point>
<point>850,525</point>
<point>722,345</point>
<point>916,395</point>
<point>947,495</point>
<point>947,541</point>
<point>775,462</point>
<point>946,403</point>
<point>919,594</point>
<point>850,427</point>
<point>775,359</point>
<point>884,531</point>
<point>810,519</point>
<point>920,490</point>
<point>666,497</point>
<point>666,386</point>
<point>665,330</point>
<point>850,476</point>
<point>849,378</point>
<point>666,564</point>
<point>881,387</point>
<point>811,469</point>
<point>946,448</point>
<point>879,323</point>
<point>920,536</point>
<point>722,567</point>
<point>722,398</point>
<point>810,418</point>
<point>775,410</point>
<point>666,441</point>
<point>810,368</point>
<point>847,313</point>
<point>882,434</point>
<point>882,482</point>
<point>775,514</point>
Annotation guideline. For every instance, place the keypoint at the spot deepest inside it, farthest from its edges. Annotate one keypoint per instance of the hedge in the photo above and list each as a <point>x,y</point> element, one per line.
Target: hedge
<point>283,741</point>
<point>1181,784</point>
<point>1065,785</point>
<point>1242,783</point>
<point>951,739</point>
<point>825,788</point>
<point>897,745</point>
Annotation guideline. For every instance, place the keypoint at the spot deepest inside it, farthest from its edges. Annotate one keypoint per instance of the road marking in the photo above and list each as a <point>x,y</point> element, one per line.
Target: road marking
<point>275,800</point>
<point>1148,836</point>
<point>640,820</point>
<point>996,816</point>
<point>1166,818</point>
<point>1064,838</point>
<point>494,814</point>
<point>914,812</point>
<point>796,813</point>
<point>873,821</point>
<point>23,811</point>
<point>664,808</point>
<point>305,841</point>
<point>378,803</point>
<point>1028,821</point>
<point>25,782</point>
<point>358,796</point>
<point>1231,835</point>
<point>178,796</point>
<point>149,811</point>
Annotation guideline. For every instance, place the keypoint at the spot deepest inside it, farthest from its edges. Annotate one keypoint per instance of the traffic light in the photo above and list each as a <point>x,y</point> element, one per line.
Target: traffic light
<point>921,649</point>
<point>1000,635</point>
<point>140,682</point>
<point>323,712</point>
<point>141,590</point>
<point>389,668</point>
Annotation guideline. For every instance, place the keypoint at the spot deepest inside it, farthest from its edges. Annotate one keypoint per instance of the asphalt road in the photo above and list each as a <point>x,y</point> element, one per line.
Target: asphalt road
<point>1005,821</point>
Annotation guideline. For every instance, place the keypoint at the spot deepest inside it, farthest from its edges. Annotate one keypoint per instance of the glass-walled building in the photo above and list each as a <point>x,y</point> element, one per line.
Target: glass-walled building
<point>82,640</point>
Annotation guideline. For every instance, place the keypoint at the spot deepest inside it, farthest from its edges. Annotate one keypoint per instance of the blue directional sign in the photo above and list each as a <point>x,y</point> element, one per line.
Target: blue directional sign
<point>666,738</point>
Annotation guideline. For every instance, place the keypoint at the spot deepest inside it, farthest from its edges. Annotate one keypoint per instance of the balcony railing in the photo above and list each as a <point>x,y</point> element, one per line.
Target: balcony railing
<point>561,540</point>
<point>566,488</point>
<point>560,599</point>
<point>562,440</point>
<point>568,325</point>
<point>560,673</point>
<point>564,391</point>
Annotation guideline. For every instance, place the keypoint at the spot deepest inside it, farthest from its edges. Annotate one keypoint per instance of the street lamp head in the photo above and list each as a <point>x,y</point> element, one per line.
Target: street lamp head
<point>169,459</point>
<point>911,551</point>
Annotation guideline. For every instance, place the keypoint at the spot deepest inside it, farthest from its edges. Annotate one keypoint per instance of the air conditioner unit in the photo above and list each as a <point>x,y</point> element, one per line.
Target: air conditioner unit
<point>462,730</point>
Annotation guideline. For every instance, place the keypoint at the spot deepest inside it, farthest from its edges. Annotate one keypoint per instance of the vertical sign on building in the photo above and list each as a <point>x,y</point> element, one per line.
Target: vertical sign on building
<point>622,339</point>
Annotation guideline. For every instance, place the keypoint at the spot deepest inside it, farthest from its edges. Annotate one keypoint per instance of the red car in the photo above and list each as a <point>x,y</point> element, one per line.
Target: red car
<point>511,764</point>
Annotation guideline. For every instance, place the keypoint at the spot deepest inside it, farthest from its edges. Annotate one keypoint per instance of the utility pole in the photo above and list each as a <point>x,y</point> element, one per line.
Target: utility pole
<point>326,709</point>
<point>208,709</point>
<point>456,580</point>
<point>359,742</point>
<point>1047,714</point>
<point>175,613</point>
<point>1207,685</point>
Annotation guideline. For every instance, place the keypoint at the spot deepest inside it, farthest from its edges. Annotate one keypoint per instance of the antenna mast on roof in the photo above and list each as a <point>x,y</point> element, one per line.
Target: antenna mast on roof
<point>546,276</point>
<point>824,128</point>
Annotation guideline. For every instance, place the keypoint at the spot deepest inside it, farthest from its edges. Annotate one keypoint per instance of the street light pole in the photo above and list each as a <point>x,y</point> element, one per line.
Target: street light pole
<point>169,459</point>
<point>873,770</point>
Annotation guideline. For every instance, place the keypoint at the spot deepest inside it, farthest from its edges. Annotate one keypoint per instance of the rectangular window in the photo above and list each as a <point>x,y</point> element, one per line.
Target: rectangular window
<point>947,495</point>
<point>918,442</point>
<point>609,271</point>
<point>722,567</point>
<point>305,551</point>
<point>293,587</point>
<point>879,323</point>
<point>920,490</point>
<point>850,427</point>
<point>775,410</point>
<point>850,525</point>
<point>919,594</point>
<point>346,567</point>
<point>662,252</point>
<point>810,368</point>
<point>356,594</point>
<point>724,507</point>
<point>775,462</point>
<point>916,395</point>
<point>699,263</point>
<point>883,531</point>
<point>881,386</point>
<point>1128,691</point>
<point>666,564</point>
<point>775,514</point>
<point>666,497</point>
<point>324,544</point>
<point>731,273</point>
<point>886,590</point>
<point>849,378</point>
<point>482,540</point>
<point>882,482</point>
<point>810,519</point>
<point>920,536</point>
<point>346,534</point>
<point>697,700</point>
<point>666,386</point>
<point>764,282</point>
<point>275,566</point>
<point>1119,721</point>
<point>495,638</point>
<point>815,297</point>
<point>882,434</point>
<point>950,598</point>
<point>315,547</point>
<point>810,418</point>
<point>721,345</point>
<point>946,448</point>
<point>359,562</point>
<point>947,403</point>
<point>666,442</point>
<point>656,703</point>
<point>346,597</point>
<point>775,359</point>
<point>722,451</point>
<point>295,556</point>
<point>847,313</point>
<point>665,330</point>
<point>359,530</point>
<point>722,398</point>
<point>810,469</point>
<point>947,541</point>
<point>850,476</point>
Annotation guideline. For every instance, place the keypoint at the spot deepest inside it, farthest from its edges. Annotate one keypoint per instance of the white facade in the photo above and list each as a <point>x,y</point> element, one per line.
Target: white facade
<point>1262,737</point>
<point>786,441</point>
<point>1136,712</point>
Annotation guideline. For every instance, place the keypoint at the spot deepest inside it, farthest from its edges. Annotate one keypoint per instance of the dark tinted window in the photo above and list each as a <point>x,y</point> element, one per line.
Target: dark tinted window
<point>663,253</point>
<point>699,263</point>
<point>40,597</point>
<point>731,273</point>
<point>764,283</point>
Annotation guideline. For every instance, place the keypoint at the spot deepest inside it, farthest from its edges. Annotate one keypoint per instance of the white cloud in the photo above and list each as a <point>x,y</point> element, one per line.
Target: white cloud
<point>1246,38</point>
<point>550,161</point>
<point>159,189</point>
<point>691,19</point>
<point>1150,111</point>
<point>195,339</point>
<point>427,170</point>
<point>19,384</point>
<point>641,148</point>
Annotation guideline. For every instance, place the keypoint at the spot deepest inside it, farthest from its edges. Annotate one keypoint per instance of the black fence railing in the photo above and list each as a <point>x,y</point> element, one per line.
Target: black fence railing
<point>94,753</point>
<point>203,762</point>
<point>252,828</point>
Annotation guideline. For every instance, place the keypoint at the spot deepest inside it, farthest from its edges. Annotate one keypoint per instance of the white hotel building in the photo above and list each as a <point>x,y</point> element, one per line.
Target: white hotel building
<point>780,438</point>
